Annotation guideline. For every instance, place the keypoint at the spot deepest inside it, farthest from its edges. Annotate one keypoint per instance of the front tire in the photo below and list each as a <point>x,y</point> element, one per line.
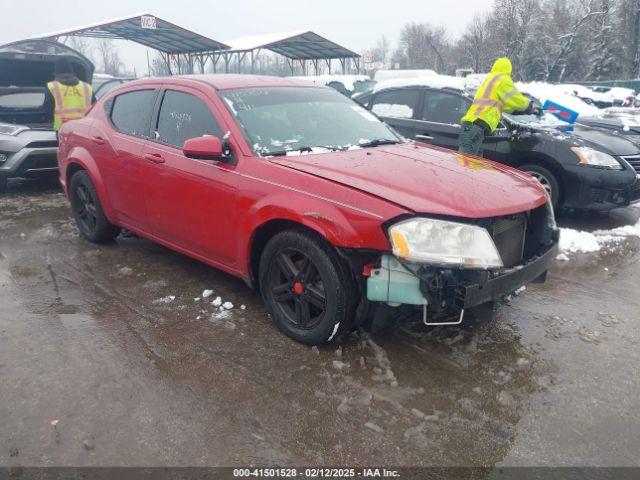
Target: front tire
<point>307,288</point>
<point>548,181</point>
<point>87,210</point>
<point>4,182</point>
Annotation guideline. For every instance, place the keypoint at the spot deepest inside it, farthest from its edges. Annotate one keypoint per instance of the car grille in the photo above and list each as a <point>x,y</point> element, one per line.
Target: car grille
<point>508,234</point>
<point>634,161</point>
<point>598,195</point>
<point>36,162</point>
<point>43,144</point>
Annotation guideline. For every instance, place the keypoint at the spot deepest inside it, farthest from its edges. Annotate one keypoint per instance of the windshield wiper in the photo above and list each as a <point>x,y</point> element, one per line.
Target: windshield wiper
<point>377,142</point>
<point>282,153</point>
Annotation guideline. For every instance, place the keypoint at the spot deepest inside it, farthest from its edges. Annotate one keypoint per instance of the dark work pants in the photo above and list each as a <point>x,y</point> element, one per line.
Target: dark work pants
<point>471,139</point>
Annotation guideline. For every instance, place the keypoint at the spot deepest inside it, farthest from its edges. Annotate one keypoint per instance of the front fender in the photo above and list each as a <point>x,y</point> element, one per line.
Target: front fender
<point>341,226</point>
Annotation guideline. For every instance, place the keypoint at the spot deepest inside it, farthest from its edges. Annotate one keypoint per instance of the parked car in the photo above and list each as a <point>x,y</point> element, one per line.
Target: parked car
<point>384,75</point>
<point>307,197</point>
<point>621,121</point>
<point>582,168</point>
<point>620,96</point>
<point>348,85</point>
<point>102,87</point>
<point>28,143</point>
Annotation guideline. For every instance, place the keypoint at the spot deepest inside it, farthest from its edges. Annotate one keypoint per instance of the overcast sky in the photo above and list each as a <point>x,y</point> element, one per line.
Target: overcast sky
<point>356,24</point>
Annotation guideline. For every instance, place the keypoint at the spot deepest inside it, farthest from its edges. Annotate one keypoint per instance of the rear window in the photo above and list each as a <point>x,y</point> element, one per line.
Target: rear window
<point>20,100</point>
<point>131,112</point>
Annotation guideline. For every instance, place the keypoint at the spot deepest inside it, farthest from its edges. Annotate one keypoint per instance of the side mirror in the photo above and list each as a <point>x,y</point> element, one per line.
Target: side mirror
<point>206,147</point>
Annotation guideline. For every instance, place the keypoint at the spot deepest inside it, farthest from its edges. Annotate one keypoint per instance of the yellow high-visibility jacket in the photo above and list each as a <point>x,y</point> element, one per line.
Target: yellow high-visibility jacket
<point>497,94</point>
<point>71,101</point>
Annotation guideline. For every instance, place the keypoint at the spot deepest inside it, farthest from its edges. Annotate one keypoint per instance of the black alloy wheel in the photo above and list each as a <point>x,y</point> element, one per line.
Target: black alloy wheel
<point>307,288</point>
<point>297,289</point>
<point>87,209</point>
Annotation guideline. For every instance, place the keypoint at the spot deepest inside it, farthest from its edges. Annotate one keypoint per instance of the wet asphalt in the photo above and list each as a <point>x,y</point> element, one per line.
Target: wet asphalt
<point>100,366</point>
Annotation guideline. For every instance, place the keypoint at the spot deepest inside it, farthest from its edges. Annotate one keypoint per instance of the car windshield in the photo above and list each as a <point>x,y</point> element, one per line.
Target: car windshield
<point>19,100</point>
<point>296,120</point>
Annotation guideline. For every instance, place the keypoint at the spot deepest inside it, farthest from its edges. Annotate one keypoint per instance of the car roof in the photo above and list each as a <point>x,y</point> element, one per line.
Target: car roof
<point>226,81</point>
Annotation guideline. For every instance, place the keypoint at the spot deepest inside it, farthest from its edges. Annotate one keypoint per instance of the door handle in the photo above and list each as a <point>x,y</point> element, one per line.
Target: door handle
<point>98,139</point>
<point>424,137</point>
<point>154,157</point>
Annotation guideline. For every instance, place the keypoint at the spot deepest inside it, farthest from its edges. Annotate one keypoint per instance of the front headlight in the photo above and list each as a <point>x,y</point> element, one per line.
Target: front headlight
<point>444,243</point>
<point>589,156</point>
<point>10,129</point>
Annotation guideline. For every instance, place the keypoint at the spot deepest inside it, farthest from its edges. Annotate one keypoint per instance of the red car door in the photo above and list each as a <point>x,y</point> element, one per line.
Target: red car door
<point>191,202</point>
<point>118,149</point>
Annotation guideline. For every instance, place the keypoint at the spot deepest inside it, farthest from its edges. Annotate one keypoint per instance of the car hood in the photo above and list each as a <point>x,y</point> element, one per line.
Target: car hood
<point>598,138</point>
<point>426,179</point>
<point>618,123</point>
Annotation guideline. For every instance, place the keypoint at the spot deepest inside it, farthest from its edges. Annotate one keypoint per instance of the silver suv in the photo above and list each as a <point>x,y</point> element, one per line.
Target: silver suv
<point>28,144</point>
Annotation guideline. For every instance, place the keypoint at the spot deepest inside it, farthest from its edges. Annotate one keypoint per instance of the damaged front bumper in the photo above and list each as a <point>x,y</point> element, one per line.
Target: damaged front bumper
<point>446,292</point>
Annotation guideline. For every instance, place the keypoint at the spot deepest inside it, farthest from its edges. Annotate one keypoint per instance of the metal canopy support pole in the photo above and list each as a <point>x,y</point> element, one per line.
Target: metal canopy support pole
<point>254,56</point>
<point>342,62</point>
<point>167,59</point>
<point>328,62</point>
<point>315,66</point>
<point>226,62</point>
<point>290,62</point>
<point>241,61</point>
<point>191,63</point>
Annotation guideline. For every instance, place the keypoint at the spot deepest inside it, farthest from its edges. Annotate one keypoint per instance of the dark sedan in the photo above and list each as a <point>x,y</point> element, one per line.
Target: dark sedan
<point>582,168</point>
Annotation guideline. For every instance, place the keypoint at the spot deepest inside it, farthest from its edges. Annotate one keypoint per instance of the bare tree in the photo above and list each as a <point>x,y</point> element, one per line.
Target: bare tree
<point>81,45</point>
<point>423,46</point>
<point>474,46</point>
<point>110,57</point>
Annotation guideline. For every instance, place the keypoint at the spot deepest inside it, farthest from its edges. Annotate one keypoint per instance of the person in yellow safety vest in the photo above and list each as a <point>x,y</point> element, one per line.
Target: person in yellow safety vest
<point>71,96</point>
<point>497,95</point>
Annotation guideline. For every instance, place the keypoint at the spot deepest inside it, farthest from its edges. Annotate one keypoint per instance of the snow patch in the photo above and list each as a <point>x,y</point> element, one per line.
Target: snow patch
<point>579,241</point>
<point>348,81</point>
<point>433,81</point>
<point>167,299</point>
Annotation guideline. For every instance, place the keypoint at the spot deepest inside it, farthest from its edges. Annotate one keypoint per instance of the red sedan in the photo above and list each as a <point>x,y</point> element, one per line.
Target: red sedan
<point>308,197</point>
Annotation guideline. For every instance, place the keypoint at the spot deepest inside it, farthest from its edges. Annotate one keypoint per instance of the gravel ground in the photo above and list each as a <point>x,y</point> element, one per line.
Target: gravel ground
<point>110,355</point>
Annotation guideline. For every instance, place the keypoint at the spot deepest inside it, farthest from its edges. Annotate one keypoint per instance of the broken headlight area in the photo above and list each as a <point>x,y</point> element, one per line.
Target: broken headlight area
<point>485,260</point>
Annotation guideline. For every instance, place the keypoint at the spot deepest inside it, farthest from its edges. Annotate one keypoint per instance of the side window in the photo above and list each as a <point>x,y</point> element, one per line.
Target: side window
<point>131,112</point>
<point>399,103</point>
<point>444,107</point>
<point>184,116</point>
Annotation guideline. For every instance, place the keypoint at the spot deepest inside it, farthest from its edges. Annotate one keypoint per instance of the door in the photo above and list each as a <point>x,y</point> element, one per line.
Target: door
<point>397,107</point>
<point>439,118</point>
<point>191,202</point>
<point>118,150</point>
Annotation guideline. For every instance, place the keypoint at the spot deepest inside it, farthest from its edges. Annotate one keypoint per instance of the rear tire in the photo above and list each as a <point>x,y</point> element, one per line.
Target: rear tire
<point>4,182</point>
<point>87,210</point>
<point>548,181</point>
<point>307,288</point>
